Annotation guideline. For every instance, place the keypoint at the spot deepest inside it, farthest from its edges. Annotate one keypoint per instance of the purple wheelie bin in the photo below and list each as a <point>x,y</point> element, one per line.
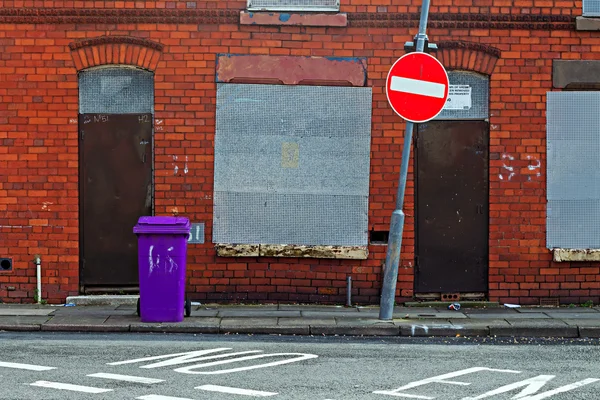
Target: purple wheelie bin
<point>162,251</point>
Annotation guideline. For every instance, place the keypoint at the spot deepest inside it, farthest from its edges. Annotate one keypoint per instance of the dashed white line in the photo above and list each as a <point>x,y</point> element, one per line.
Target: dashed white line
<point>29,367</point>
<point>159,397</point>
<point>68,386</point>
<point>230,390</point>
<point>126,378</point>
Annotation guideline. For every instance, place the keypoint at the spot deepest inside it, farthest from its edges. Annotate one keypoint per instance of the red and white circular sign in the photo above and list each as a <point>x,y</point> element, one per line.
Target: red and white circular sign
<point>417,87</point>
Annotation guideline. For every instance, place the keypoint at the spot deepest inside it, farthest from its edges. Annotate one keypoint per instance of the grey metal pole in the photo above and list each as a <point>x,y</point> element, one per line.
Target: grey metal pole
<point>392,258</point>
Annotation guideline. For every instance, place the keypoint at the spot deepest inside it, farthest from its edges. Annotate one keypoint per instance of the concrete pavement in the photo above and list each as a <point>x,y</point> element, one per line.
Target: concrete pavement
<point>295,319</point>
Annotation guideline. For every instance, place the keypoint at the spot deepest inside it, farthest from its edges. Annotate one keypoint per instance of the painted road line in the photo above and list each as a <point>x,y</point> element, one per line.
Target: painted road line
<point>28,367</point>
<point>126,378</point>
<point>68,386</point>
<point>159,397</point>
<point>230,390</point>
<point>415,86</point>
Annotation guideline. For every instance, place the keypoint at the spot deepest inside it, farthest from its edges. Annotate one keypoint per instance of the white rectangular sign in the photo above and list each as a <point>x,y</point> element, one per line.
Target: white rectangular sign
<point>459,97</point>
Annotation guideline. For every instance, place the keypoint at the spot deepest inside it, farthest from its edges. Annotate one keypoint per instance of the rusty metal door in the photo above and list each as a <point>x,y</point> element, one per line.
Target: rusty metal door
<point>115,155</point>
<point>452,207</point>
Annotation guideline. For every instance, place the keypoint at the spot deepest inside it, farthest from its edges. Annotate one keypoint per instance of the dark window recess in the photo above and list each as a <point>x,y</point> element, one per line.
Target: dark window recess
<point>5,264</point>
<point>379,237</point>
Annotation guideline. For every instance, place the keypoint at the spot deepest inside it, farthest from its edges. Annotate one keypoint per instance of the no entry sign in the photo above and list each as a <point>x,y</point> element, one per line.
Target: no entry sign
<point>417,87</point>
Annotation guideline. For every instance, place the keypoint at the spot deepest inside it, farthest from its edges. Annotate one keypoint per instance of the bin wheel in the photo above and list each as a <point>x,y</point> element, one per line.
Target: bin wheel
<point>138,307</point>
<point>188,307</point>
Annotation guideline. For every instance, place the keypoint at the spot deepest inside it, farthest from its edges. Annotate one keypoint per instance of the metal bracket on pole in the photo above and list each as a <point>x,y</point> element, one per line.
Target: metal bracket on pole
<point>392,258</point>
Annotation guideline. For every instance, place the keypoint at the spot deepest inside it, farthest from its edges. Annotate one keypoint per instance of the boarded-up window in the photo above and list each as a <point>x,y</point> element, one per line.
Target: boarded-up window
<point>292,165</point>
<point>591,8</point>
<point>573,187</point>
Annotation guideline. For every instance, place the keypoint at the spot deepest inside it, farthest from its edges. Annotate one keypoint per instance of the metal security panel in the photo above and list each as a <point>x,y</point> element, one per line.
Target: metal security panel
<point>116,90</point>
<point>591,8</point>
<point>292,165</point>
<point>293,5</point>
<point>573,170</point>
<point>468,96</point>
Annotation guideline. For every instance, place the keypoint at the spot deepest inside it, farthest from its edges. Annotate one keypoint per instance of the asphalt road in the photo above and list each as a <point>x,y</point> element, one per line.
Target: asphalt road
<point>170,367</point>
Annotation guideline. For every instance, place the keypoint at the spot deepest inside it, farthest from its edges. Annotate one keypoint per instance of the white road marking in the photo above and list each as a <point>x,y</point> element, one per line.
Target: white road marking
<point>188,369</point>
<point>416,86</point>
<point>440,379</point>
<point>126,378</point>
<point>532,386</point>
<point>159,397</point>
<point>230,390</point>
<point>68,386</point>
<point>178,358</point>
<point>28,367</point>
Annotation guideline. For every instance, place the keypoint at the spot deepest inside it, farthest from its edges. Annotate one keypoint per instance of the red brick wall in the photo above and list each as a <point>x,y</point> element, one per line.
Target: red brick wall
<point>39,153</point>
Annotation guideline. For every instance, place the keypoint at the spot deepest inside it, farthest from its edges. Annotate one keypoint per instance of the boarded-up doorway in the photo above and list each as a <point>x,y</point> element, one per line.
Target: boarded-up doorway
<point>452,193</point>
<point>452,207</point>
<point>115,173</point>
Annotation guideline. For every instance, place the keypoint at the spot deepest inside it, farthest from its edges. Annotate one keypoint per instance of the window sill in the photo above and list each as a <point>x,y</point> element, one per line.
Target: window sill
<point>566,255</point>
<point>293,19</point>
<point>588,23</point>
<point>286,250</point>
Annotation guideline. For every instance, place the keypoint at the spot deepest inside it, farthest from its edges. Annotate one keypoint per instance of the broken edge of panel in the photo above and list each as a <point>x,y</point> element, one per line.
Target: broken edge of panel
<point>296,251</point>
<point>563,255</point>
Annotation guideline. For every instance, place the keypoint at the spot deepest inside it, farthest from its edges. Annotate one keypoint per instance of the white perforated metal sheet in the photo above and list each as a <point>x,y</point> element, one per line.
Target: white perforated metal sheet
<point>292,165</point>
<point>468,96</point>
<point>294,5</point>
<point>573,170</point>
<point>116,90</point>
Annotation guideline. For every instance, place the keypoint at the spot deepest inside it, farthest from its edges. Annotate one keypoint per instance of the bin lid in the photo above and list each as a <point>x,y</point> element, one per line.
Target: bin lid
<point>162,224</point>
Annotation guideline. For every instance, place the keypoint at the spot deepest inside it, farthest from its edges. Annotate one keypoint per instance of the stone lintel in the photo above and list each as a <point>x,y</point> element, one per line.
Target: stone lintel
<point>293,19</point>
<point>575,74</point>
<point>587,24</point>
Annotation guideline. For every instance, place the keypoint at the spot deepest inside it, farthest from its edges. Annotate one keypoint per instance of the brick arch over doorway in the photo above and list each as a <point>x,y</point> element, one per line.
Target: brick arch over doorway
<point>110,50</point>
<point>468,56</point>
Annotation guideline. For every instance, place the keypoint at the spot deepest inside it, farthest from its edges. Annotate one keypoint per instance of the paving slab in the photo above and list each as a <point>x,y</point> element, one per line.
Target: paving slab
<point>535,309</point>
<point>92,311</point>
<point>248,322</point>
<point>300,307</point>
<point>536,328</point>
<point>509,316</point>
<point>572,310</point>
<point>589,331</point>
<point>437,315</point>
<point>442,330</point>
<point>76,320</point>
<point>20,327</point>
<point>175,327</point>
<point>581,322</point>
<point>335,314</point>
<point>388,329</point>
<point>305,321</point>
<point>257,313</point>
<point>84,327</point>
<point>15,311</point>
<point>24,320</point>
<point>361,322</point>
<point>574,315</point>
<point>480,323</point>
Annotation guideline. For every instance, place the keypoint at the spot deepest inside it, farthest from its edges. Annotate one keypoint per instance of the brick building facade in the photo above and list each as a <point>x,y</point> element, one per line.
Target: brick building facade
<point>162,66</point>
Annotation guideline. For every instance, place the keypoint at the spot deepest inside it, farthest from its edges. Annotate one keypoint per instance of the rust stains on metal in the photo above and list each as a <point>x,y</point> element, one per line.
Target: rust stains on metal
<point>292,70</point>
<point>295,251</point>
<point>561,255</point>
